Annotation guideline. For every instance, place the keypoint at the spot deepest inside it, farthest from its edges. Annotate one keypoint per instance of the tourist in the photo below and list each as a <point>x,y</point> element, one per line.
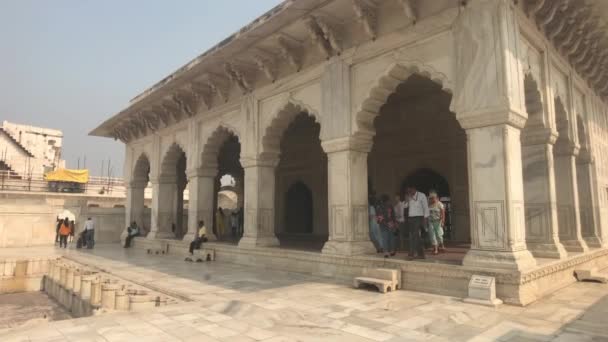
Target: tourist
<point>219,223</point>
<point>201,236</point>
<point>436,222</point>
<point>132,231</point>
<point>418,213</point>
<point>64,232</point>
<point>89,233</point>
<point>72,230</point>
<point>374,230</point>
<point>59,224</point>
<point>386,220</point>
<point>399,208</point>
<point>234,222</point>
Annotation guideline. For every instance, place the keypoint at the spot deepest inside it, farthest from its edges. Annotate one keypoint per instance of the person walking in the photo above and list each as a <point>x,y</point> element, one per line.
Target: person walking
<point>89,233</point>
<point>64,232</point>
<point>436,222</point>
<point>374,230</point>
<point>132,231</point>
<point>399,209</point>
<point>72,230</point>
<point>386,220</point>
<point>234,223</point>
<point>59,224</point>
<point>418,213</point>
<point>220,223</point>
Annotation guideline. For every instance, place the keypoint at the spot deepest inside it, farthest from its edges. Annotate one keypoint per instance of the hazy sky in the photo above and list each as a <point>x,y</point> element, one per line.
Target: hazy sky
<point>71,64</point>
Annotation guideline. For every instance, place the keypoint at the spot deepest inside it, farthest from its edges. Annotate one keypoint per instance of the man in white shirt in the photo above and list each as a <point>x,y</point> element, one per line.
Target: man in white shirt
<point>399,209</point>
<point>89,233</point>
<point>418,214</point>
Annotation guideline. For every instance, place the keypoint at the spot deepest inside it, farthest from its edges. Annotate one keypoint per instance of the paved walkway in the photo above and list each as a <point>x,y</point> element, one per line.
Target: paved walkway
<point>235,303</point>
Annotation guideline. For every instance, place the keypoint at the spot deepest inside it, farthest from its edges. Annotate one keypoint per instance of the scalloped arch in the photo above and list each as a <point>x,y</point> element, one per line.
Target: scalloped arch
<point>137,170</point>
<point>214,143</point>
<point>532,95</point>
<point>170,158</point>
<point>387,84</point>
<point>281,119</point>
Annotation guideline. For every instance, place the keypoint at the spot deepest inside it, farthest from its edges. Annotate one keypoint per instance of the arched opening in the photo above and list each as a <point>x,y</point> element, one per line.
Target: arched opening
<point>418,141</point>
<point>139,182</point>
<point>222,154</point>
<point>564,155</point>
<point>584,175</point>
<point>299,209</point>
<point>173,216</point>
<point>302,160</point>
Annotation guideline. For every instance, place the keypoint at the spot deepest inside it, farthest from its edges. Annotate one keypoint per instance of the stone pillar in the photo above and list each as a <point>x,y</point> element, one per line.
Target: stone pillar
<point>200,204</point>
<point>347,192</point>
<point>85,286</point>
<point>539,194</point>
<point>108,294</point>
<point>567,197</point>
<point>96,291</point>
<point>135,205</point>
<point>162,208</point>
<point>259,203</point>
<point>498,238</point>
<point>587,201</point>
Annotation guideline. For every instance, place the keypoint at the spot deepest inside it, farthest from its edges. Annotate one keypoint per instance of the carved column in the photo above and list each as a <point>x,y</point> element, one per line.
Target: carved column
<point>539,193</point>
<point>489,103</point>
<point>259,178</point>
<point>163,200</point>
<point>567,197</point>
<point>347,192</point>
<point>587,201</point>
<point>135,208</point>
<point>200,203</point>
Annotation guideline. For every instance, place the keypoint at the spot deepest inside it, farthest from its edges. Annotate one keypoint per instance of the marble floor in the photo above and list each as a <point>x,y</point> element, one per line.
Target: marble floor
<point>226,302</point>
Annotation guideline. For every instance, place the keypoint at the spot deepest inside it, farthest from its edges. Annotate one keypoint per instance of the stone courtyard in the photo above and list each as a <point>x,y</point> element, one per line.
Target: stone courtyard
<point>228,302</point>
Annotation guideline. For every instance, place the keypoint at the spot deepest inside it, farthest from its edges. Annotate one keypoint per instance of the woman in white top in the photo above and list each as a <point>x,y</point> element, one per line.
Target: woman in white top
<point>436,222</point>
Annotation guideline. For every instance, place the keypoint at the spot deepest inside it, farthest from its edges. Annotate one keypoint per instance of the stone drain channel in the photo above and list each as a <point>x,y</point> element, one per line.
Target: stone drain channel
<point>85,290</point>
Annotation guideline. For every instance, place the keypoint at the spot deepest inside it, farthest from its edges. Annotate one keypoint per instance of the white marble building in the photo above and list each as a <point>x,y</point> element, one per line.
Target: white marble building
<point>502,103</point>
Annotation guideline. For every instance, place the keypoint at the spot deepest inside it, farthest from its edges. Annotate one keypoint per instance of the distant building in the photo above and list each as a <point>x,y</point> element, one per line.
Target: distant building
<point>27,149</point>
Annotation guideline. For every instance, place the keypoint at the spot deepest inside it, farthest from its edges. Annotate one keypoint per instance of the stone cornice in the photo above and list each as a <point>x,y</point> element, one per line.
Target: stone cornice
<point>490,117</point>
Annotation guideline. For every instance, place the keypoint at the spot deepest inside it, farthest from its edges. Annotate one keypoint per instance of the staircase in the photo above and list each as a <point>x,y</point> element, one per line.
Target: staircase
<point>14,140</point>
<point>7,171</point>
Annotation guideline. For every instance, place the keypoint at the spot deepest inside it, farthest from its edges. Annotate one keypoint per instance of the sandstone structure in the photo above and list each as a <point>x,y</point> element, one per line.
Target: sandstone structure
<point>499,104</point>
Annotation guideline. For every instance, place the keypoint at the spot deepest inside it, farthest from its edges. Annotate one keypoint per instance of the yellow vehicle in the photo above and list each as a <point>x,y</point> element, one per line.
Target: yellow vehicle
<point>64,180</point>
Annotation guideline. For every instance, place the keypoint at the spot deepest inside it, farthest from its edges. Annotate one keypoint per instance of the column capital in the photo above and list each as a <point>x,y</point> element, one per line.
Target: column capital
<point>485,118</point>
<point>263,160</point>
<point>351,143</point>
<point>163,180</point>
<point>538,136</point>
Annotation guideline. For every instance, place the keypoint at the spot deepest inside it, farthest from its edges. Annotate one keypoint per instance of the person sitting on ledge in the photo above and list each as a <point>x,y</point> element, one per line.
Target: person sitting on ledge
<point>132,231</point>
<point>199,239</point>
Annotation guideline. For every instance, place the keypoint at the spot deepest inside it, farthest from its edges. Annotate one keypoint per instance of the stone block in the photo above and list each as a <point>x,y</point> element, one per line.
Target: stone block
<point>482,290</point>
<point>385,279</point>
<point>382,285</point>
<point>590,274</point>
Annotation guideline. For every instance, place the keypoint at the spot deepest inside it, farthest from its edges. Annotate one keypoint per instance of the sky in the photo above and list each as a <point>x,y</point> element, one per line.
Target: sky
<point>71,64</point>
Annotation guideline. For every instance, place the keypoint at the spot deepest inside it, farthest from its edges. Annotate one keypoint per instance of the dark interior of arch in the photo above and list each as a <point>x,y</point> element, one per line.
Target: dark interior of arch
<point>299,209</point>
<point>229,164</point>
<point>426,180</point>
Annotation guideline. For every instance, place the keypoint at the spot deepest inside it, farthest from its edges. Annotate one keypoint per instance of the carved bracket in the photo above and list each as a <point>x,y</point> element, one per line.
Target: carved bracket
<point>366,16</point>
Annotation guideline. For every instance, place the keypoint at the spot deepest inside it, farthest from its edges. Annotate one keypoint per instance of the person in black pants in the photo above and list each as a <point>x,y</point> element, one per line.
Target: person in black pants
<point>201,236</point>
<point>132,231</point>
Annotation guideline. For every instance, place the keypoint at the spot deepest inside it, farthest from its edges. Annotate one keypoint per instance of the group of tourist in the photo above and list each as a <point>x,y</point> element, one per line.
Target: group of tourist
<point>234,219</point>
<point>65,230</point>
<point>388,223</point>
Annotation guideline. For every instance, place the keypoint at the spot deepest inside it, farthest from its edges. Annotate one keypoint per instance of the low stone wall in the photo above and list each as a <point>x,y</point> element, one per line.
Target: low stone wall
<point>512,287</point>
<point>29,219</point>
<point>22,275</point>
<point>85,291</point>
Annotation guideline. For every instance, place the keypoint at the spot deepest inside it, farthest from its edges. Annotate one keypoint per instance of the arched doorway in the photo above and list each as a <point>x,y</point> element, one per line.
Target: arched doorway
<point>302,161</point>
<point>221,154</point>
<point>419,141</point>
<point>172,216</point>
<point>139,182</point>
<point>299,209</point>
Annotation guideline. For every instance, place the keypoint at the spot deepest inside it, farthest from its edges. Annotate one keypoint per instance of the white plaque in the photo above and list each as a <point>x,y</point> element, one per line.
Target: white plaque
<point>482,290</point>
